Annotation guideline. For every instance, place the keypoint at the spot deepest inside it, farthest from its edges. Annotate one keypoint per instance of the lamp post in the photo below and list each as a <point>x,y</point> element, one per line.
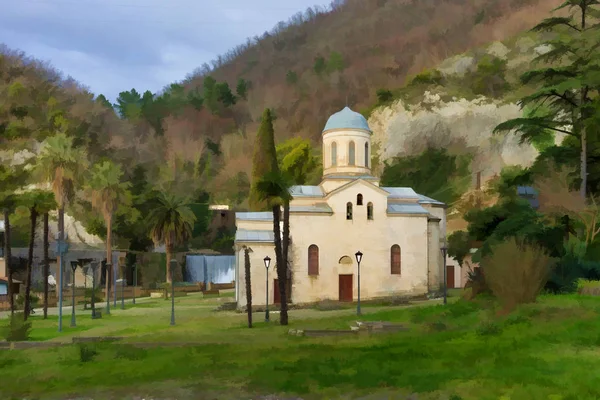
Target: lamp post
<point>94,265</point>
<point>108,267</point>
<point>173,266</point>
<point>444,250</point>
<point>133,267</point>
<point>267,261</point>
<point>74,265</point>
<point>114,278</point>
<point>358,260</point>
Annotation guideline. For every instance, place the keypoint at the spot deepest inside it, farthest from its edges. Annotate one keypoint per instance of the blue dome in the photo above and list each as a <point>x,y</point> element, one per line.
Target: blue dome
<point>347,119</point>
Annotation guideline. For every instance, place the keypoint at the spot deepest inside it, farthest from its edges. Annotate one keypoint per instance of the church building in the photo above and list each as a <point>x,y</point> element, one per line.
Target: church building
<point>399,232</point>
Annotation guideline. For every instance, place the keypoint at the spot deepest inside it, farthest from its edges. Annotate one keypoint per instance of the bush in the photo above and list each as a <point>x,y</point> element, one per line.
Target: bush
<point>489,328</point>
<point>428,77</point>
<point>588,288</point>
<point>33,301</point>
<point>516,272</point>
<point>16,330</point>
<point>87,353</point>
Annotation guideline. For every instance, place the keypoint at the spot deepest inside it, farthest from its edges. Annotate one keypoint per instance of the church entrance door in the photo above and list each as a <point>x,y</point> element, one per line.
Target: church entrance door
<point>346,288</point>
<point>450,277</point>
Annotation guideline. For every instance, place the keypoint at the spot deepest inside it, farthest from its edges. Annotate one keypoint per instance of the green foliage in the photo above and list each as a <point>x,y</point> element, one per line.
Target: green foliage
<point>242,88</point>
<point>428,77</point>
<point>264,160</point>
<point>384,96</point>
<point>104,101</point>
<point>297,160</point>
<point>489,79</point>
<point>543,139</point>
<point>489,328</point>
<point>224,94</point>
<point>459,246</point>
<point>291,77</point>
<point>320,65</point>
<point>202,214</point>
<point>172,220</point>
<point>16,330</point>
<point>129,105</point>
<point>335,62</point>
<point>211,94</point>
<point>87,352</point>
<point>433,173</point>
<point>109,193</point>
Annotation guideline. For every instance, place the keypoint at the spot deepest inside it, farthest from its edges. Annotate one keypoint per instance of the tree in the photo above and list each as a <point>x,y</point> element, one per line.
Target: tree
<point>298,161</point>
<point>242,88</point>
<point>247,269</point>
<point>273,188</point>
<point>264,159</point>
<point>61,164</point>
<point>38,202</point>
<point>172,222</point>
<point>224,94</point>
<point>108,192</point>
<point>567,89</point>
<point>320,65</point>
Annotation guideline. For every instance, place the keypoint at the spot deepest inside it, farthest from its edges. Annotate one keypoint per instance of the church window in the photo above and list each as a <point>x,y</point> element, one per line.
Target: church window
<point>349,211</point>
<point>359,200</point>
<point>313,259</point>
<point>351,155</point>
<point>367,155</point>
<point>333,154</point>
<point>370,211</point>
<point>395,260</point>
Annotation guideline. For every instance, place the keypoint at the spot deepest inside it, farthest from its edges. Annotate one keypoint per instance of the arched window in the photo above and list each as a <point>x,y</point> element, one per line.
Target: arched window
<point>359,199</point>
<point>370,211</point>
<point>351,155</point>
<point>333,154</point>
<point>313,259</point>
<point>367,155</point>
<point>348,210</point>
<point>396,265</point>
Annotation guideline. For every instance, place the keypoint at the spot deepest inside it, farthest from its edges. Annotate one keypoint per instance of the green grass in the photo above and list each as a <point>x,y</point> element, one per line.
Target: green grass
<point>463,350</point>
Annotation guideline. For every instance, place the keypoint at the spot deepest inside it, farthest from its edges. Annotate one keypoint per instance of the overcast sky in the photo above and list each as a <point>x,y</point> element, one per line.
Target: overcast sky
<point>116,45</point>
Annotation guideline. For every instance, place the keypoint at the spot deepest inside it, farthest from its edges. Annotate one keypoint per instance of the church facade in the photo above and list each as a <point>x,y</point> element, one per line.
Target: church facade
<point>398,231</point>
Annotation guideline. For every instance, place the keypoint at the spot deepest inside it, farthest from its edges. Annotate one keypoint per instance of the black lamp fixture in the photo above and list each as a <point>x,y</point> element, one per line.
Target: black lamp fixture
<point>359,256</point>
<point>267,261</point>
<point>74,265</point>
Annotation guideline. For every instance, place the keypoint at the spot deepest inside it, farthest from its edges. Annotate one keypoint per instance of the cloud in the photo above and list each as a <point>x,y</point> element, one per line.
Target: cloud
<point>116,45</point>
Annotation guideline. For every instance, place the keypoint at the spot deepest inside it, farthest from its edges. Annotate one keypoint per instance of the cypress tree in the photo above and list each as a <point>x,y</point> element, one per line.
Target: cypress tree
<point>264,159</point>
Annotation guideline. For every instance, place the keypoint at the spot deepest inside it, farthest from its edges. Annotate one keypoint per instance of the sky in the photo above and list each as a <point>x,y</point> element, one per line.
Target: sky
<point>116,45</point>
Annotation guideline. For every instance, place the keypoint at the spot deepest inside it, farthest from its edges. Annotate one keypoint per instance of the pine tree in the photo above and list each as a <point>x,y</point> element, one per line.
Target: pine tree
<point>264,160</point>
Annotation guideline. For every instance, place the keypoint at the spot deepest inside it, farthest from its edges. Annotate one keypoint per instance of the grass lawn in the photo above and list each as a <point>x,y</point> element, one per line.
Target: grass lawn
<point>548,350</point>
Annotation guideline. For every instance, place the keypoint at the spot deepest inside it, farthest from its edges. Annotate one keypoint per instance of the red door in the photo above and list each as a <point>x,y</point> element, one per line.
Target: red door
<point>450,277</point>
<point>346,288</point>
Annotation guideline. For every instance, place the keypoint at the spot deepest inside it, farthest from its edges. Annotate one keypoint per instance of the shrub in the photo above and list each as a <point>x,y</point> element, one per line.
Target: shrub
<point>87,353</point>
<point>588,288</point>
<point>516,272</point>
<point>33,301</point>
<point>489,328</point>
<point>428,77</point>
<point>384,96</point>
<point>16,330</point>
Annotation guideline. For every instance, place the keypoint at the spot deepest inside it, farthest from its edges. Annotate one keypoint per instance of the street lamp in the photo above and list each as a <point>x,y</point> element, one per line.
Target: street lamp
<point>267,261</point>
<point>173,266</point>
<point>108,269</point>
<point>74,265</point>
<point>94,265</point>
<point>133,267</point>
<point>444,250</point>
<point>358,260</point>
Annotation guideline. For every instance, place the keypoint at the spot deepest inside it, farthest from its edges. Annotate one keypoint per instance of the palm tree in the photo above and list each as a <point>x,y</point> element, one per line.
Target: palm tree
<point>172,222</point>
<point>247,269</point>
<point>61,165</point>
<point>108,192</point>
<point>274,189</point>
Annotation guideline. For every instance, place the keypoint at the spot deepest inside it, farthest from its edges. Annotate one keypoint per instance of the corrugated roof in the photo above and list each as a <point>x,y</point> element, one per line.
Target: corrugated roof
<point>428,200</point>
<point>317,208</point>
<point>406,209</point>
<point>306,191</point>
<point>254,216</point>
<point>243,235</point>
<point>401,192</point>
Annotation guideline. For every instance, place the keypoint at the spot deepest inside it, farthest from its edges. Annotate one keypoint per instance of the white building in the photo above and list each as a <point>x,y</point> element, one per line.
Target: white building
<point>399,232</point>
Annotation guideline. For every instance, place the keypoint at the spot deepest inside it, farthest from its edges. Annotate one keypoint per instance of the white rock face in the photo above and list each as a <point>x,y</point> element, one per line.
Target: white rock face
<point>543,49</point>
<point>525,44</point>
<point>457,66</point>
<point>454,125</point>
<point>499,50</point>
